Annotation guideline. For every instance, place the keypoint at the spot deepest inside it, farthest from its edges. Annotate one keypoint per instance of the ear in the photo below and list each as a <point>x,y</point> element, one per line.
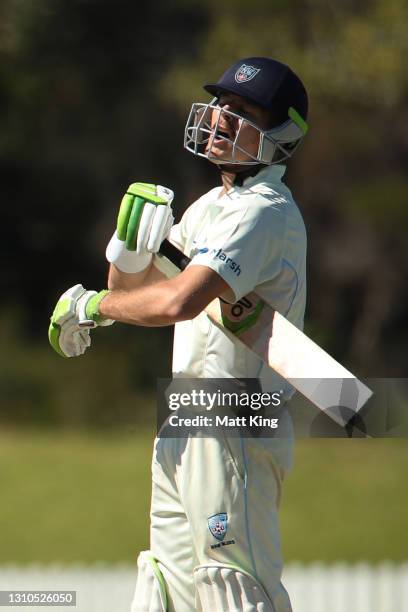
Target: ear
<point>288,136</point>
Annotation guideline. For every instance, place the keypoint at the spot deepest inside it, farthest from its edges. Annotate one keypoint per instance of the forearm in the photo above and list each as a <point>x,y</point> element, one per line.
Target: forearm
<point>165,302</point>
<point>127,282</point>
<point>152,305</point>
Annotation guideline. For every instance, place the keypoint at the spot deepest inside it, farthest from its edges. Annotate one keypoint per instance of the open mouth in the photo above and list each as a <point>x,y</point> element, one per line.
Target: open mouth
<point>221,136</point>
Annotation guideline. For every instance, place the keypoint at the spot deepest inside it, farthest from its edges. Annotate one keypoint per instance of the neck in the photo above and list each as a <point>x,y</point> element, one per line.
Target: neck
<point>230,178</point>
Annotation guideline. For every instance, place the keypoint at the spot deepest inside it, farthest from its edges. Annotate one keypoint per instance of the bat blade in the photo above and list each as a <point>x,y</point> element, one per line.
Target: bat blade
<point>280,345</point>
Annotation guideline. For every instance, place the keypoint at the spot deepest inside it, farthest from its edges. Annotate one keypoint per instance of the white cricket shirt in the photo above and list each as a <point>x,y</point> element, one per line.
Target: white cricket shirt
<point>255,238</point>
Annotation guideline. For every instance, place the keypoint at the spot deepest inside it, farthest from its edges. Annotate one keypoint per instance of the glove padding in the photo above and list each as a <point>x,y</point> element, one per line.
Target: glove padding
<point>144,221</point>
<point>75,314</point>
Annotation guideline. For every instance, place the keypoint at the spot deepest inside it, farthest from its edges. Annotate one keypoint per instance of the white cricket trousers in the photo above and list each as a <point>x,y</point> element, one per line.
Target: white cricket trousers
<point>195,479</point>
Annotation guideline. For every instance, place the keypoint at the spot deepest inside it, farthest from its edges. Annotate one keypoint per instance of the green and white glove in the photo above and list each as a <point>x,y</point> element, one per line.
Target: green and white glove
<point>75,314</point>
<point>144,221</point>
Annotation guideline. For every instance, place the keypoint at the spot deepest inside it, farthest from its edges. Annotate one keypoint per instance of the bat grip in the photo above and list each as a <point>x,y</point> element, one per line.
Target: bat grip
<point>173,254</point>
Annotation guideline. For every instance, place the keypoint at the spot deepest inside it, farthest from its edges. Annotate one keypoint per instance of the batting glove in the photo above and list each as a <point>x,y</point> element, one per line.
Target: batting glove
<point>75,314</point>
<point>144,221</point>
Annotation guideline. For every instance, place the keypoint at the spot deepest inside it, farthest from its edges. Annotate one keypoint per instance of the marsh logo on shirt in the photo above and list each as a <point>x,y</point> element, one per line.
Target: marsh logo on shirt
<point>198,250</point>
<point>233,265</point>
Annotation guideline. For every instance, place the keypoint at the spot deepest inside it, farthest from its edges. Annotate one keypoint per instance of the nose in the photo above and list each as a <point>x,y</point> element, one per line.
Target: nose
<point>215,116</point>
<point>230,108</point>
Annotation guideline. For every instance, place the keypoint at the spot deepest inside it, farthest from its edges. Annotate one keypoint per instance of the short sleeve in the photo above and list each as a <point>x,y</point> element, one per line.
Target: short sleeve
<point>177,236</point>
<point>245,246</point>
<point>181,232</point>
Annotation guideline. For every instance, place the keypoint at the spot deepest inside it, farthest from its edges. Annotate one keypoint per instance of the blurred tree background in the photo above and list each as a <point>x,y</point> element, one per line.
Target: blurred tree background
<point>94,95</point>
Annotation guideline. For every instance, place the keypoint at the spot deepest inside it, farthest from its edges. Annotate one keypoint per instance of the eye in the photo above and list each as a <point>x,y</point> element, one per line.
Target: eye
<point>243,112</point>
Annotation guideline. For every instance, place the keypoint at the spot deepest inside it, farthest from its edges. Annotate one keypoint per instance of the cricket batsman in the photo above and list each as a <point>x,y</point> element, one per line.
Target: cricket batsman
<point>214,537</point>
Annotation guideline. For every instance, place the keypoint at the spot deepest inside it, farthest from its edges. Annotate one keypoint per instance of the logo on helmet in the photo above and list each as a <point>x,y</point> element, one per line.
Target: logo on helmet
<point>246,73</point>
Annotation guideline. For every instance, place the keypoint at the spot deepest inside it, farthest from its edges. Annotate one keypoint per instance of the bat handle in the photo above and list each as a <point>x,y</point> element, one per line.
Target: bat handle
<point>173,254</point>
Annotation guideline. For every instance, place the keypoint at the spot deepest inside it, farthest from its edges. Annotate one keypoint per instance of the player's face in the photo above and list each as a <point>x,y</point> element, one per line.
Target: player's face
<point>248,138</point>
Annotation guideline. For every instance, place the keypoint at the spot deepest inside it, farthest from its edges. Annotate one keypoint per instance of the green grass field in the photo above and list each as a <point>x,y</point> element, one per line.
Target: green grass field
<point>79,497</point>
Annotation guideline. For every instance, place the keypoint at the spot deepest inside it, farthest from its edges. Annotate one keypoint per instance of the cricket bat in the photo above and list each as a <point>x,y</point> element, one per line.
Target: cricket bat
<point>281,345</point>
